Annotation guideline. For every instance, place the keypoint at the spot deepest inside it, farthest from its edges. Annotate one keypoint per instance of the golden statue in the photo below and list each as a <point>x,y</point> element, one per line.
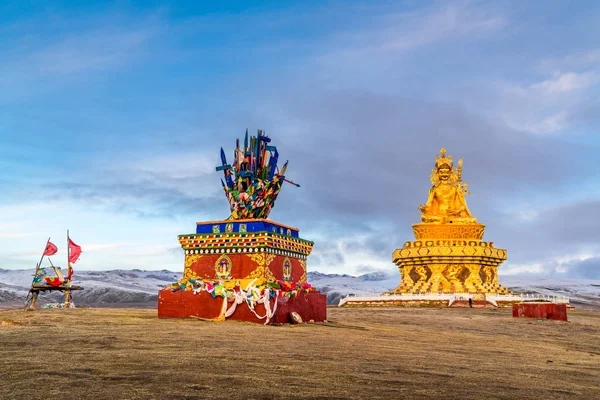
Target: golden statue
<point>446,202</point>
<point>448,255</point>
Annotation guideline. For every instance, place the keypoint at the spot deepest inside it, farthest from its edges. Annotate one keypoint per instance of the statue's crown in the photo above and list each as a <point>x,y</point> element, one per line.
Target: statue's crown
<point>443,161</point>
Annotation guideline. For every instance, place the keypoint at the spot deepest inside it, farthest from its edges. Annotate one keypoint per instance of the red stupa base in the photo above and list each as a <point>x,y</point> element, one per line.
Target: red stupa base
<point>186,304</point>
<point>541,311</point>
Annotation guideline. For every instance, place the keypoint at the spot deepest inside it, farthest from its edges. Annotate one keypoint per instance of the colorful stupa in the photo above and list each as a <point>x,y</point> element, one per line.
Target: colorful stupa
<point>246,258</point>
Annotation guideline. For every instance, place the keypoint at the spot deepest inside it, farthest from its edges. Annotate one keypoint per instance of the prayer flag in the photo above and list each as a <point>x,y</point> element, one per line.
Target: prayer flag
<point>74,252</point>
<point>51,249</point>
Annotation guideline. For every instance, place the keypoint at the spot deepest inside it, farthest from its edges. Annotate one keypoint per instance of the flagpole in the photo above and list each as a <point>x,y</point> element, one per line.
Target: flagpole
<point>42,259</point>
<point>68,257</point>
<point>35,275</point>
<point>68,296</point>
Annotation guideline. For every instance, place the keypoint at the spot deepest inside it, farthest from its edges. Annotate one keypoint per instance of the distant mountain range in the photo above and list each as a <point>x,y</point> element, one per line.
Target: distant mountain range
<point>117,288</point>
<point>101,288</point>
<point>583,293</point>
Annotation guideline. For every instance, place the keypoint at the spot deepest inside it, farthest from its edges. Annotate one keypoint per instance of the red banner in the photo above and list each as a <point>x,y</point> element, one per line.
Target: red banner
<point>51,249</point>
<point>74,252</point>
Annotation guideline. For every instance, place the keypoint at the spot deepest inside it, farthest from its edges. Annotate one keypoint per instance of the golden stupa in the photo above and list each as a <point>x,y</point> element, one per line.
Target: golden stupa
<point>448,255</point>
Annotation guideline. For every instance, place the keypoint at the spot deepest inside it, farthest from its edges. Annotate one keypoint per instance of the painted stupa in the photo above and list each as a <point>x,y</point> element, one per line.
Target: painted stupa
<point>246,267</point>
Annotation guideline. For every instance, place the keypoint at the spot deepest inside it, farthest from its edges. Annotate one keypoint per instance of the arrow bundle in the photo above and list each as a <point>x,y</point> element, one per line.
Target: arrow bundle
<point>254,180</point>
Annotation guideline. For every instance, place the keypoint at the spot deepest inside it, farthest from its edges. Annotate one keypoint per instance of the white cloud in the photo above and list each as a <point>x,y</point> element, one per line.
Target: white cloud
<point>6,235</point>
<point>348,254</point>
<point>550,105</point>
<point>547,106</point>
<point>443,24</point>
<point>109,239</point>
<point>549,124</point>
<point>34,60</point>
<point>400,31</point>
<point>103,246</point>
<point>565,82</point>
<point>98,50</point>
<point>586,59</point>
<point>180,165</point>
<point>549,266</point>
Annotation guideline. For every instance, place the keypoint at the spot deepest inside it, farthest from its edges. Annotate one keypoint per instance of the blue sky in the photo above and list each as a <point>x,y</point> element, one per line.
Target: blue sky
<point>112,116</point>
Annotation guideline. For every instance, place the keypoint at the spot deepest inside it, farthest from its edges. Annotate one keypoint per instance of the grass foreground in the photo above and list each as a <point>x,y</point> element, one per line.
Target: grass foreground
<point>360,353</point>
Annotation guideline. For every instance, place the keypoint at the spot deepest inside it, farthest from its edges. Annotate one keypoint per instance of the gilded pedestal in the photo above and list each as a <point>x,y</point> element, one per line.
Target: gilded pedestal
<point>449,258</point>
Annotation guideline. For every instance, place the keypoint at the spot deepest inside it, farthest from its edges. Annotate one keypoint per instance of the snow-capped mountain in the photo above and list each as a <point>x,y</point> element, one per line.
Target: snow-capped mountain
<point>336,286</point>
<point>583,293</point>
<point>100,287</point>
<point>140,288</point>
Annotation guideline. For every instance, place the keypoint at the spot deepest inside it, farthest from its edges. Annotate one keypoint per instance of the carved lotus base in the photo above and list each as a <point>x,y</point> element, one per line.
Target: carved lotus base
<point>449,266</point>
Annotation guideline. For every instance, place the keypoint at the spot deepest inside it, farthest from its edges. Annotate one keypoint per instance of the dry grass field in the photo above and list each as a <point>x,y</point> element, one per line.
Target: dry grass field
<point>360,353</point>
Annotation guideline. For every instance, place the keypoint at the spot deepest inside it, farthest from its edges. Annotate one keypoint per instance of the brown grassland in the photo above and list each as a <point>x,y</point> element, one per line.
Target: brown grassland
<point>361,353</point>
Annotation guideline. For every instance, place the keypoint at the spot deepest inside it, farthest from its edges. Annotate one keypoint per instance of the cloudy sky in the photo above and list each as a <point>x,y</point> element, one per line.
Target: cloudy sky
<point>112,116</point>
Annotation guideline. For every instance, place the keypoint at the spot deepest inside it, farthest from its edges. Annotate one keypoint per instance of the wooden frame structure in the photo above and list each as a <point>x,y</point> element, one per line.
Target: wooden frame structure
<point>64,285</point>
<point>34,292</point>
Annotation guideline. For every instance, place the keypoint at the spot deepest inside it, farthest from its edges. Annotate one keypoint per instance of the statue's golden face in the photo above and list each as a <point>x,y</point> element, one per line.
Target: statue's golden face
<point>444,174</point>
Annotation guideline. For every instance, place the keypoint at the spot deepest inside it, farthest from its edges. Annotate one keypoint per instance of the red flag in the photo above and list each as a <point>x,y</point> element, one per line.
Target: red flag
<point>51,249</point>
<point>74,251</point>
